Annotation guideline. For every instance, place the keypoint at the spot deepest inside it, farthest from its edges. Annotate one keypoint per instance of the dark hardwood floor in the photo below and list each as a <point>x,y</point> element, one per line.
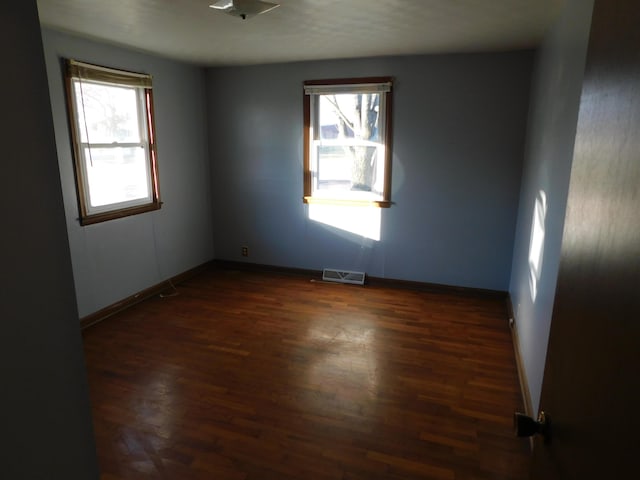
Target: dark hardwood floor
<point>255,375</point>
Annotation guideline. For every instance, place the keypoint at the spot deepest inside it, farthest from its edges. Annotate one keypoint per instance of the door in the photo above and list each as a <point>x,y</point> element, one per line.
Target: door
<point>592,375</point>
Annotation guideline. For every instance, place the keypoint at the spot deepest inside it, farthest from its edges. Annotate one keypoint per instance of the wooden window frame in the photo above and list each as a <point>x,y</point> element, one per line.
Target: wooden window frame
<point>308,197</point>
<point>99,74</point>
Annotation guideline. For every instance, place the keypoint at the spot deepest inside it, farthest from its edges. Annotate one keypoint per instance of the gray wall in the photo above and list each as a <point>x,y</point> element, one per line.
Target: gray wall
<point>118,258</point>
<point>550,140</point>
<point>459,126</point>
<point>45,418</point>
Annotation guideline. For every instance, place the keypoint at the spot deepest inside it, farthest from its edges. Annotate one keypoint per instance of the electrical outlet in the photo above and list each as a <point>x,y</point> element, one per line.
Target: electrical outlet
<point>245,251</point>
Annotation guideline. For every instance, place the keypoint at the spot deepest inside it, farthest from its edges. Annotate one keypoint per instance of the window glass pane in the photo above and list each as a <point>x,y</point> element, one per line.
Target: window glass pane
<point>116,175</point>
<point>107,113</point>
<point>339,167</point>
<point>334,168</point>
<point>347,151</point>
<point>352,115</point>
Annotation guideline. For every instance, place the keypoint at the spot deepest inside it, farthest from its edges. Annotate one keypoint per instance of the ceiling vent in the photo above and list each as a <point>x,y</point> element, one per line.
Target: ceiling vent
<point>243,8</point>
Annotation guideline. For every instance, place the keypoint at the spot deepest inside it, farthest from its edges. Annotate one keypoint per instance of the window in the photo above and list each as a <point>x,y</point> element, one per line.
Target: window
<point>112,130</point>
<point>347,141</point>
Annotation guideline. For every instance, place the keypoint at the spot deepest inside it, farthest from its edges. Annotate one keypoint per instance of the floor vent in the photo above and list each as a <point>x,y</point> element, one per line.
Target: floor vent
<point>343,276</point>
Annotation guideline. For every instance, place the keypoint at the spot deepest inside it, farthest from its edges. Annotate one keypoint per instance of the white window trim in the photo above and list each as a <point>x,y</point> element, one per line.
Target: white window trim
<point>79,72</point>
<point>312,92</point>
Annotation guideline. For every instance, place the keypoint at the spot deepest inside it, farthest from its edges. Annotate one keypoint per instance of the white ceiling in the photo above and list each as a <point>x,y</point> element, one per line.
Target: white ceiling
<point>305,29</point>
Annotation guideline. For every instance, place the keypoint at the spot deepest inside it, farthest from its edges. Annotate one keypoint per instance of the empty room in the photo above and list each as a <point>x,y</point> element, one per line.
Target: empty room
<point>338,240</point>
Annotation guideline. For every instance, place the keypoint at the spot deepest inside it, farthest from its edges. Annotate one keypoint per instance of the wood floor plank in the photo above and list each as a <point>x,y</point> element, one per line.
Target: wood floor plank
<point>260,375</point>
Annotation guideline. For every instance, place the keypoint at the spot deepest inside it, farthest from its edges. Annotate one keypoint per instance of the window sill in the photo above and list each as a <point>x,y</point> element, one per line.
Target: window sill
<point>348,202</point>
<point>124,212</point>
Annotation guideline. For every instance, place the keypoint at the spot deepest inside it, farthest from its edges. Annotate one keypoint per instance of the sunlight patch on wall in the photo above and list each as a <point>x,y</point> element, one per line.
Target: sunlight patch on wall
<point>536,244</point>
<point>359,220</point>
